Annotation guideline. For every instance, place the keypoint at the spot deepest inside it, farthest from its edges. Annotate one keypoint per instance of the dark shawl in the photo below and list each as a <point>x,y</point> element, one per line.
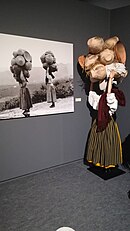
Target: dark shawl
<point>103,109</point>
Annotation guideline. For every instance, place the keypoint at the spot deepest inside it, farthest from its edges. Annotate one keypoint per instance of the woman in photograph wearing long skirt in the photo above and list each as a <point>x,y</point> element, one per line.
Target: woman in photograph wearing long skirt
<point>51,92</point>
<point>21,64</point>
<point>25,98</point>
<point>48,61</point>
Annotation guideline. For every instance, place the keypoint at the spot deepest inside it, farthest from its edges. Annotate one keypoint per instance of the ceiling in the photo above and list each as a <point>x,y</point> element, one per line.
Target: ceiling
<point>108,4</point>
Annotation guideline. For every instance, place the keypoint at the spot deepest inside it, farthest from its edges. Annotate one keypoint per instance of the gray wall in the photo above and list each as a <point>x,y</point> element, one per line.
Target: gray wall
<point>120,19</point>
<point>32,144</point>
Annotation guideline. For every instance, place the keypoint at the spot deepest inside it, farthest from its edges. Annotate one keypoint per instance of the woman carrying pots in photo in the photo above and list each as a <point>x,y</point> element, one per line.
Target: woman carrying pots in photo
<point>49,64</point>
<point>21,64</point>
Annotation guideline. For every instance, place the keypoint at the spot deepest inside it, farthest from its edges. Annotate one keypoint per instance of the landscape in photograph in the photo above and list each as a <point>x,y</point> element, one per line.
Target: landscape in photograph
<point>10,87</point>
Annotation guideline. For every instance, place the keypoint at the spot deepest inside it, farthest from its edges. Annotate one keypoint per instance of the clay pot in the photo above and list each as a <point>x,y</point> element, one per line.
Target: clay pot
<point>111,42</point>
<point>53,67</point>
<point>42,58</point>
<point>13,61</point>
<point>27,56</point>
<point>106,56</point>
<point>20,52</point>
<point>49,59</point>
<point>16,69</point>
<point>95,45</point>
<point>15,54</point>
<point>90,60</point>
<point>26,73</point>
<point>28,66</point>
<point>81,61</point>
<point>45,66</point>
<point>49,52</point>
<point>20,60</point>
<point>97,72</point>
<point>120,52</point>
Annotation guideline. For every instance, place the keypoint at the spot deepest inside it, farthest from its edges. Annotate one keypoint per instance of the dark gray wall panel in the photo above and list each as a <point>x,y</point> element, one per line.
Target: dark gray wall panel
<point>120,19</point>
<point>28,145</point>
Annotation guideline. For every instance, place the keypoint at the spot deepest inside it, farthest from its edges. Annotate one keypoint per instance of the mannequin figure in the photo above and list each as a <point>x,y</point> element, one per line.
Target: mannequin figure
<point>103,72</point>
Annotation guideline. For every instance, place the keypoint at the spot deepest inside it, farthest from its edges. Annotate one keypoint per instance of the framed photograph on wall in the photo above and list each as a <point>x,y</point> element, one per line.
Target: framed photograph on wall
<point>36,77</point>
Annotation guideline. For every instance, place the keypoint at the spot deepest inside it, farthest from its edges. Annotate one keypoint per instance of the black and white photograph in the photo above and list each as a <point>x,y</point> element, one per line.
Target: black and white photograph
<point>36,77</point>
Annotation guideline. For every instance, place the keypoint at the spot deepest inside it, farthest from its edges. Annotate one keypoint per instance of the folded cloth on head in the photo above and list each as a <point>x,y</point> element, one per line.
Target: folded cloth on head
<point>117,67</point>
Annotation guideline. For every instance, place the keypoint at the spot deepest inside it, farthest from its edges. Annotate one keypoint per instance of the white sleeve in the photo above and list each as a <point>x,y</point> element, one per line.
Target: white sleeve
<point>93,99</point>
<point>112,102</point>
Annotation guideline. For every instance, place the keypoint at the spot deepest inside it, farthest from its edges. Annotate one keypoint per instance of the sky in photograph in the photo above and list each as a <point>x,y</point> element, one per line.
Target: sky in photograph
<point>63,52</point>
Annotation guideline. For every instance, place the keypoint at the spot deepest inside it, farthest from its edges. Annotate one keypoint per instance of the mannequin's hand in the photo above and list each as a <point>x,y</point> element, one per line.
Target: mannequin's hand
<point>112,74</point>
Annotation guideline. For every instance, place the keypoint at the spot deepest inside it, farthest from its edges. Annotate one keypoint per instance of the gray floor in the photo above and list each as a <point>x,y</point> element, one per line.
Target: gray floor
<point>67,195</point>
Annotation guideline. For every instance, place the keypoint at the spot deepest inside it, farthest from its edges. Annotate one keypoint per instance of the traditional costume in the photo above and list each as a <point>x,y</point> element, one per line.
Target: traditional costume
<point>21,64</point>
<point>49,64</point>
<point>104,67</point>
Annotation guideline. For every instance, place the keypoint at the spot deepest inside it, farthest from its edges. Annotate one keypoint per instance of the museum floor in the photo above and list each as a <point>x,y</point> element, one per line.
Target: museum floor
<point>68,195</point>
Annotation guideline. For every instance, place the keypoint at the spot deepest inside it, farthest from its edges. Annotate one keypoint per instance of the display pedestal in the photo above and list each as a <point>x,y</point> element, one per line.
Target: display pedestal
<point>106,174</point>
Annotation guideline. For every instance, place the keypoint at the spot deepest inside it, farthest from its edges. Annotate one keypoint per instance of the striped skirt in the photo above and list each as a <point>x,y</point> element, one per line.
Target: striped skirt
<point>104,148</point>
